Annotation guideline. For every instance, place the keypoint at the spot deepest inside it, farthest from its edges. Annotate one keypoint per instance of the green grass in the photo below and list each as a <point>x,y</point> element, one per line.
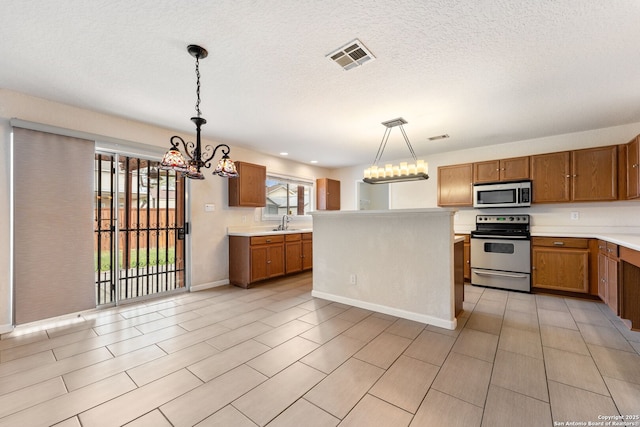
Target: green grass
<point>138,258</point>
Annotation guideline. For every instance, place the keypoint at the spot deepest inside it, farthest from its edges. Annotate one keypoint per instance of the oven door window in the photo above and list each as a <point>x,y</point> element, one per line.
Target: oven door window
<point>499,248</point>
<point>493,197</point>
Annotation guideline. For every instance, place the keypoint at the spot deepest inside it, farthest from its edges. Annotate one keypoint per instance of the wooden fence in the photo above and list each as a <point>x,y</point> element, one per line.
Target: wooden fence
<point>152,227</point>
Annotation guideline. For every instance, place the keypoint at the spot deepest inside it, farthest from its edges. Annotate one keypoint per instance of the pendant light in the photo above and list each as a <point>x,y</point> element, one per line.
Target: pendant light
<point>198,157</point>
<point>416,171</point>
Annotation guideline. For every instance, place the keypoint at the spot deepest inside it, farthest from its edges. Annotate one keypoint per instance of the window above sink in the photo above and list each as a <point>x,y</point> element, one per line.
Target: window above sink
<point>287,196</point>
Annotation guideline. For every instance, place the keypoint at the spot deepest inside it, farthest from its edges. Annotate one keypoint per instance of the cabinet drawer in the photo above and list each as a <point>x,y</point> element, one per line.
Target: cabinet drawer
<point>560,242</point>
<point>612,250</point>
<point>263,240</point>
<point>608,248</point>
<point>307,236</point>
<point>292,237</point>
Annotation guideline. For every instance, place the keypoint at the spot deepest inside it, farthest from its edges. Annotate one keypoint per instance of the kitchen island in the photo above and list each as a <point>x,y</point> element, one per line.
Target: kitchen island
<point>399,262</point>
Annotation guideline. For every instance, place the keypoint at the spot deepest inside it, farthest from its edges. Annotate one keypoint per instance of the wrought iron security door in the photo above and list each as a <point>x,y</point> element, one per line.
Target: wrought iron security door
<point>139,210</point>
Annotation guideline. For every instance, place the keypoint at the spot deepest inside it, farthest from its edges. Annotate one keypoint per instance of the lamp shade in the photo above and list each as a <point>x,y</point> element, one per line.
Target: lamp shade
<point>174,160</point>
<point>226,168</point>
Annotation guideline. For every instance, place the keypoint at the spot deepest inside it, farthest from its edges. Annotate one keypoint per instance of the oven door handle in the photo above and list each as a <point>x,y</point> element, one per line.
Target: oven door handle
<point>494,236</point>
<point>512,275</point>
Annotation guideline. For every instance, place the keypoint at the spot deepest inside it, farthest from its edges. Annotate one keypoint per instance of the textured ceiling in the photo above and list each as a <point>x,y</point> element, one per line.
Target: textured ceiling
<point>483,71</point>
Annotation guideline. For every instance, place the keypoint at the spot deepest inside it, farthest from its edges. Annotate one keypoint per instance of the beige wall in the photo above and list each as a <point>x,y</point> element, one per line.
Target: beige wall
<point>209,240</point>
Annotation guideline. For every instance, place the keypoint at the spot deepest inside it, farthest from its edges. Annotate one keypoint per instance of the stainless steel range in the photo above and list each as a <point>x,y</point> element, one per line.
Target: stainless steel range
<point>501,252</point>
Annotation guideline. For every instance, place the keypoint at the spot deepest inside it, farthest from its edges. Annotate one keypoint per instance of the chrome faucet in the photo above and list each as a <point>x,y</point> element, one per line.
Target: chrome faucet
<point>285,222</point>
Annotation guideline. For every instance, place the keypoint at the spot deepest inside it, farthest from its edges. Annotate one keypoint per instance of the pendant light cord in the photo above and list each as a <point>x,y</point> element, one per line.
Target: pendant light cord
<point>198,85</point>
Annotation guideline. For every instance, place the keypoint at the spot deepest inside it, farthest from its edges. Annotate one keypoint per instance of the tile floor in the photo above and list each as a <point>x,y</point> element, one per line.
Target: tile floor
<point>275,356</point>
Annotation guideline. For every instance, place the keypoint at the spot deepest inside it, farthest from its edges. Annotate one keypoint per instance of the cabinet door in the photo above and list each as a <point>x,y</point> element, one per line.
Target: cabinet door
<point>612,284</point>
<point>633,169</point>
<point>307,254</point>
<point>467,261</point>
<point>293,257</point>
<point>486,171</point>
<point>594,174</point>
<point>602,277</point>
<point>275,262</point>
<point>259,260</point>
<point>514,169</point>
<point>249,188</point>
<point>327,194</point>
<point>561,269</point>
<point>550,176</point>
<point>455,185</point>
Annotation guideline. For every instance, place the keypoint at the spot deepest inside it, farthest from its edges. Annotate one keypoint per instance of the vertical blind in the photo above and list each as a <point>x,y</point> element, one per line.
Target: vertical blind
<point>53,225</point>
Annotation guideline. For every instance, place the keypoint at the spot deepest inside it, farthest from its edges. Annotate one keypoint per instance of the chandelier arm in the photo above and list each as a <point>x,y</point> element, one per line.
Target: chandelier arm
<point>225,152</point>
<point>406,139</point>
<point>175,144</point>
<point>383,144</point>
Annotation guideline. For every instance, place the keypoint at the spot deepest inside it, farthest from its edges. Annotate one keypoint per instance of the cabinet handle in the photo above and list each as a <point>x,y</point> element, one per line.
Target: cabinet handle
<point>575,176</point>
<point>269,262</point>
<point>268,240</point>
<point>558,243</point>
<point>635,165</point>
<point>568,176</point>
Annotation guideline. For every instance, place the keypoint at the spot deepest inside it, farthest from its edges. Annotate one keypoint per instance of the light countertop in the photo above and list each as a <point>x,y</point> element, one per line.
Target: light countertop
<point>262,232</point>
<point>631,241</point>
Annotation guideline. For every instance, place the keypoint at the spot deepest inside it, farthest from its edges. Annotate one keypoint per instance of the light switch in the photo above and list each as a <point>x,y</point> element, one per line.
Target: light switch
<point>209,207</point>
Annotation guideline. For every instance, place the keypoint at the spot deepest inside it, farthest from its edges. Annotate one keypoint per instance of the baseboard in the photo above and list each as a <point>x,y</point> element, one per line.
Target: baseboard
<point>5,329</point>
<point>418,317</point>
<point>209,285</point>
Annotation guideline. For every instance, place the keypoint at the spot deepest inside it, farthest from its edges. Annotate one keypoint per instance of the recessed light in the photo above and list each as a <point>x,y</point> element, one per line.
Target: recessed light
<point>313,161</point>
<point>284,154</point>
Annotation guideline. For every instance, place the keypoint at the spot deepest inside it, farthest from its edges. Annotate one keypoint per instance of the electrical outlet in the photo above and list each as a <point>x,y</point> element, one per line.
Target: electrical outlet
<point>575,215</point>
<point>353,279</point>
<point>244,218</point>
<point>209,207</point>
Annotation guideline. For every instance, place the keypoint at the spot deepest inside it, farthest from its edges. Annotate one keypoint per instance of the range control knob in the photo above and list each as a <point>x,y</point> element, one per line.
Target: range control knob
<point>510,218</point>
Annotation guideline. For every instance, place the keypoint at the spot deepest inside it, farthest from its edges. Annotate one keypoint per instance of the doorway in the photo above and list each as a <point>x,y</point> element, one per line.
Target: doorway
<point>140,210</point>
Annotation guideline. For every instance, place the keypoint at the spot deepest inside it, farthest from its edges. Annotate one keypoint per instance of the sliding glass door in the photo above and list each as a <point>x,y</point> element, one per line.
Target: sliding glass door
<point>140,210</point>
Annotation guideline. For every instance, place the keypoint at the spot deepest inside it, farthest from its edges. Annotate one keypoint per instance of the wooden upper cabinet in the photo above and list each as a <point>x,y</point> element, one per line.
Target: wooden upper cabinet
<point>455,185</point>
<point>550,176</point>
<point>594,174</point>
<point>513,169</point>
<point>488,171</point>
<point>633,169</point>
<point>580,175</point>
<point>327,194</point>
<point>249,188</point>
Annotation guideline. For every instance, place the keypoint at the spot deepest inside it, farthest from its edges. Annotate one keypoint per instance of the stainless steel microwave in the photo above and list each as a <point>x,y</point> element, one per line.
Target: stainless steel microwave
<point>502,195</point>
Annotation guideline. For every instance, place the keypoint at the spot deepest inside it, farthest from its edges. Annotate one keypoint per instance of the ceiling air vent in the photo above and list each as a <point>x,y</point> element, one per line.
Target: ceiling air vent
<point>351,55</point>
<point>437,137</point>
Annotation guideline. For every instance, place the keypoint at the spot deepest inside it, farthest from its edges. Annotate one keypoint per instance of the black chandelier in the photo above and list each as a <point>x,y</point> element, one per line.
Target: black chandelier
<point>198,157</point>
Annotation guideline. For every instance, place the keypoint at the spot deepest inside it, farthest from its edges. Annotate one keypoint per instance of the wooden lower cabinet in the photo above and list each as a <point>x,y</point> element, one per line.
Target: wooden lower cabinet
<point>560,264</point>
<point>467,258</point>
<point>293,253</point>
<point>629,286</point>
<point>257,258</point>
<point>307,251</point>
<point>608,265</point>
